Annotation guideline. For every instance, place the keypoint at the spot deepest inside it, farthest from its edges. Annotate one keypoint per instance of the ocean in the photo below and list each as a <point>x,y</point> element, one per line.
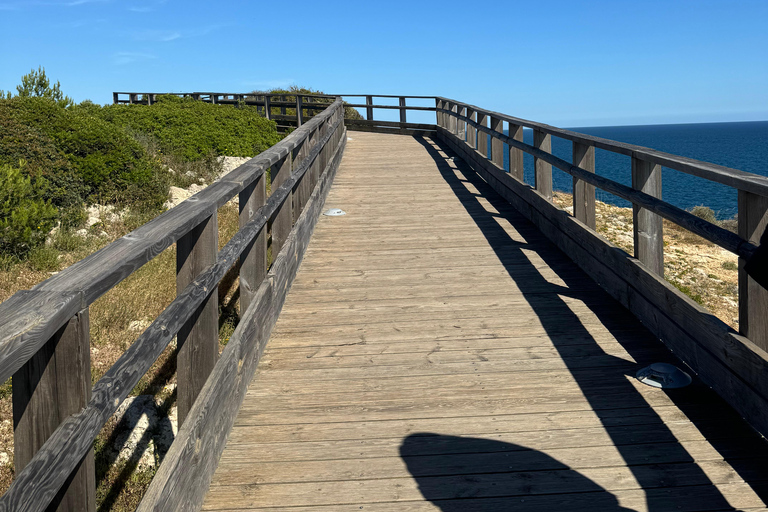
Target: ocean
<point>742,146</point>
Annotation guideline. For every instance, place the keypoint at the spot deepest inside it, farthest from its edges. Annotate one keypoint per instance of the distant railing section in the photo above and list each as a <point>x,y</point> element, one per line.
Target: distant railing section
<point>292,110</point>
<point>734,364</point>
<point>45,341</point>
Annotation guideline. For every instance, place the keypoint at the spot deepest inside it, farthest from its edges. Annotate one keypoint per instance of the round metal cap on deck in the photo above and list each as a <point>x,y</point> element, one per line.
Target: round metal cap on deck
<point>663,375</point>
<point>334,212</point>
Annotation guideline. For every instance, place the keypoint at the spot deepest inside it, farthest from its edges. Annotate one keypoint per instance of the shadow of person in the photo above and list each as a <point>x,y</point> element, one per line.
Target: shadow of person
<point>482,475</point>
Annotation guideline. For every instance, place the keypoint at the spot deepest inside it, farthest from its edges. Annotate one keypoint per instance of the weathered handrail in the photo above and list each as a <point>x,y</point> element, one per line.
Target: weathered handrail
<point>717,235</point>
<point>733,364</point>
<point>306,157</point>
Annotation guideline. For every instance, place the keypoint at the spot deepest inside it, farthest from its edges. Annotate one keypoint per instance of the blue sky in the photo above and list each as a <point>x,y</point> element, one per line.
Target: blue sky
<point>567,63</point>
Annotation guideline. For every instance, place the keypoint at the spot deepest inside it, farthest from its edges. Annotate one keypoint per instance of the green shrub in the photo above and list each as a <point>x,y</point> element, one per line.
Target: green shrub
<point>113,167</point>
<point>25,218</point>
<point>44,164</point>
<point>194,129</point>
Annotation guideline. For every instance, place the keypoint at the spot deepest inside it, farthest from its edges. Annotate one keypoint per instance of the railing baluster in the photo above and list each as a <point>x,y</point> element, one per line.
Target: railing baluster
<point>584,193</point>
<point>283,219</point>
<point>54,384</point>
<point>543,170</point>
<point>471,130</point>
<point>402,110</point>
<point>253,261</point>
<point>497,146</point>
<point>369,109</point>
<point>299,112</point>
<point>198,339</point>
<point>461,132</point>
<point>299,199</point>
<point>516,154</point>
<point>647,226</point>
<point>753,298</point>
<point>482,137</point>
<point>267,106</point>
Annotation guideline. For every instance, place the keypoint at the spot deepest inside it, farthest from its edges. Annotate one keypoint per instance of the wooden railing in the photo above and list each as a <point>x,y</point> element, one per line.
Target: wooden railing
<point>734,364</point>
<point>291,110</point>
<point>44,332</point>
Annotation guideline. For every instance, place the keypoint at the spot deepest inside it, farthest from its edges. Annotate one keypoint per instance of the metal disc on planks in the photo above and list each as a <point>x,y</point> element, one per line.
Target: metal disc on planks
<point>663,375</point>
<point>334,212</point>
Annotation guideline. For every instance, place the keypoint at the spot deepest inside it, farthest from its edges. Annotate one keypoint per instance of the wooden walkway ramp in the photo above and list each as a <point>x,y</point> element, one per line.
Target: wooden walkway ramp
<point>436,352</point>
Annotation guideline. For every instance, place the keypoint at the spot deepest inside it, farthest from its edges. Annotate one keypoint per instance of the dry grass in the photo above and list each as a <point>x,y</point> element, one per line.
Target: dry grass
<point>697,267</point>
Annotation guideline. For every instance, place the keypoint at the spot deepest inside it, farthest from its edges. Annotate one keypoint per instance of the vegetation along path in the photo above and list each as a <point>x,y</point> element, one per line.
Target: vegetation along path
<point>436,352</point>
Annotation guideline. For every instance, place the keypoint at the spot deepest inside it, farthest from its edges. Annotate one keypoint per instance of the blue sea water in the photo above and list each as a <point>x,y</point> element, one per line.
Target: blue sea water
<point>742,146</point>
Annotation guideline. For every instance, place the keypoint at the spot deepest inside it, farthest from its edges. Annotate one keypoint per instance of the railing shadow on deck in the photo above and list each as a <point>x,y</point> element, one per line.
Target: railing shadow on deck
<point>603,378</point>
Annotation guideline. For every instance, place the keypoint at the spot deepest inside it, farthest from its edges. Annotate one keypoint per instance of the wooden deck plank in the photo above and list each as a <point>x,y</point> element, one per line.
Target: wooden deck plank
<point>436,353</point>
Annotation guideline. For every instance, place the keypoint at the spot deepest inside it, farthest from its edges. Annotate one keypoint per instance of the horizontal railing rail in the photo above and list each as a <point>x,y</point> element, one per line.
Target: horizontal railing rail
<point>734,364</point>
<point>52,466</point>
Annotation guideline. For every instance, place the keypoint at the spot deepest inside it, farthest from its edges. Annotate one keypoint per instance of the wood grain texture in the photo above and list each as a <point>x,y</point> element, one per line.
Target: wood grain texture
<point>516,154</point>
<point>30,319</point>
<point>647,227</point>
<point>753,298</point>
<point>198,339</point>
<point>497,146</point>
<point>542,169</point>
<point>431,359</point>
<point>253,261</point>
<point>584,193</point>
<point>54,384</point>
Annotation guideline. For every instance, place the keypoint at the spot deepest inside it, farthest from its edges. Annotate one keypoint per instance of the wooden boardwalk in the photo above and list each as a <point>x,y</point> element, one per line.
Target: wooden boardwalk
<point>436,352</point>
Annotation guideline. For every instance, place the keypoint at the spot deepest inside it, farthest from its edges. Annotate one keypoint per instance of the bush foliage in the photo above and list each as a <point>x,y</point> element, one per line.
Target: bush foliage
<point>25,217</point>
<point>194,129</point>
<point>112,166</point>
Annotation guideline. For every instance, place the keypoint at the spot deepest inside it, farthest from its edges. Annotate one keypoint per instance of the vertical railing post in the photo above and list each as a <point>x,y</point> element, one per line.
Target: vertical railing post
<point>543,169</point>
<point>647,226</point>
<point>753,298</point>
<point>584,193</point>
<point>283,219</point>
<point>497,146</point>
<point>298,155</point>
<point>448,119</point>
<point>461,132</point>
<point>283,110</point>
<point>454,122</point>
<point>51,386</point>
<point>369,108</point>
<point>198,339</point>
<point>471,130</point>
<point>439,116</point>
<point>267,106</point>
<point>253,260</point>
<point>299,111</point>
<point>516,154</point>
<point>482,137</point>
<point>115,98</point>
<point>402,110</point>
